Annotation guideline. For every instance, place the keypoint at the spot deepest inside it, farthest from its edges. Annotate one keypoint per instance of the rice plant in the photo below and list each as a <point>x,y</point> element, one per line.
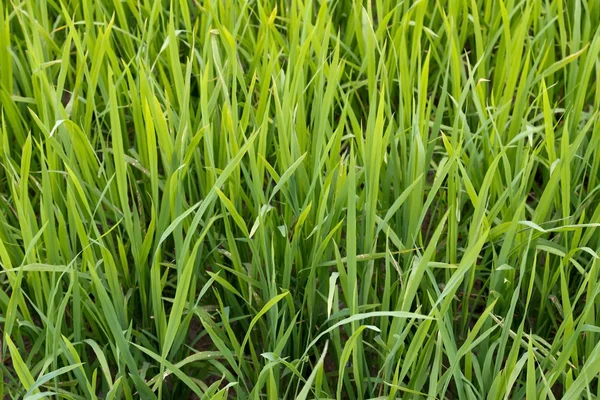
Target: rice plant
<point>276,199</point>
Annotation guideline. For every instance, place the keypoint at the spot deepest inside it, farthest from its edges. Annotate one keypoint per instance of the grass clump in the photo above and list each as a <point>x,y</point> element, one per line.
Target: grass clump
<point>299,199</point>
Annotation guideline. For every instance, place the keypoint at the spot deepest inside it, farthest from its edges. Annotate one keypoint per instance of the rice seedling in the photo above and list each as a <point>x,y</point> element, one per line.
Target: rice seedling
<point>299,199</point>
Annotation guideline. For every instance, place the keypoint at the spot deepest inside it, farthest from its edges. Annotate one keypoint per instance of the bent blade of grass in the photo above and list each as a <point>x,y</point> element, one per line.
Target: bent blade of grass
<point>308,385</point>
<point>172,368</point>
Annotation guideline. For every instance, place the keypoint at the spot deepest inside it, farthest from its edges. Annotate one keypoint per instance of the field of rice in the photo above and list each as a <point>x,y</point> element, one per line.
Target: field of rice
<point>299,199</point>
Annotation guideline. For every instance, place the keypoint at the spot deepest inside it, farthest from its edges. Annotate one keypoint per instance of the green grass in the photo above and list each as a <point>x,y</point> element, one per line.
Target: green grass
<point>299,199</point>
